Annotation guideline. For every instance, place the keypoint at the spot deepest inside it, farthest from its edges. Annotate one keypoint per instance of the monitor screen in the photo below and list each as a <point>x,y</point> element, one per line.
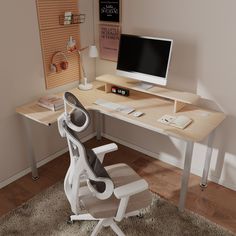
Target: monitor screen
<point>144,58</point>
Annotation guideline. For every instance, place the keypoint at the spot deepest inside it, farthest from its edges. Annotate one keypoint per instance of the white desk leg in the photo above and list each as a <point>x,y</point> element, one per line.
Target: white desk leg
<point>98,124</point>
<point>185,175</point>
<point>206,169</point>
<point>31,155</point>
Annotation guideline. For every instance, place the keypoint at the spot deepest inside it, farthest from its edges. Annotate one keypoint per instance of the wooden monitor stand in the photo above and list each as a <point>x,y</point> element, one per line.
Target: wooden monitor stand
<point>180,98</point>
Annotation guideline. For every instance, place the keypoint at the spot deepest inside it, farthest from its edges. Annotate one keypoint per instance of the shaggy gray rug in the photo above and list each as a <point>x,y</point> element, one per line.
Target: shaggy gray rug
<point>46,214</point>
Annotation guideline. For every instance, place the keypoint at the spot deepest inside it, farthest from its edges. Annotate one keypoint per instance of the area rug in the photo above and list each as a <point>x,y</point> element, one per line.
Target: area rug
<point>47,213</point>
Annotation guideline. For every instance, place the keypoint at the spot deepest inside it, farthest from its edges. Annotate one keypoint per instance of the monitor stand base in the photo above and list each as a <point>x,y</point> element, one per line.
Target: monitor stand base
<point>144,85</point>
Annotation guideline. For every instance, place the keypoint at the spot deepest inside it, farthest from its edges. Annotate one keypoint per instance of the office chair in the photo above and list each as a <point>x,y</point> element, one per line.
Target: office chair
<point>106,194</point>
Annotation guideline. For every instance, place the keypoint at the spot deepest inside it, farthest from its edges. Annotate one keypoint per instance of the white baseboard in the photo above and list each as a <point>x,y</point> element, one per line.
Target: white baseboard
<point>170,160</point>
<point>222,182</point>
<point>165,159</point>
<point>42,162</point>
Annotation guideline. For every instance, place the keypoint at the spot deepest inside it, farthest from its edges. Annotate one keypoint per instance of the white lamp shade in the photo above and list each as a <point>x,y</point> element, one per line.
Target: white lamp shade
<point>93,52</point>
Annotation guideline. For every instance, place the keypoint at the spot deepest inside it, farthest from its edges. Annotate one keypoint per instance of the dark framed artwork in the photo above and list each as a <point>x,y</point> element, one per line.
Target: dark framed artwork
<point>109,38</point>
<point>109,10</point>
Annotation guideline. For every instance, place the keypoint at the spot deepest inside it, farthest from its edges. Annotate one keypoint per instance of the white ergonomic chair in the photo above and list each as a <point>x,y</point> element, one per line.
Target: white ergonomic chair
<point>106,194</point>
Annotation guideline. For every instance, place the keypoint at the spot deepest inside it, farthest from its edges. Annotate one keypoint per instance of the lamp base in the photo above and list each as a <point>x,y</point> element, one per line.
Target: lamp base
<point>86,86</point>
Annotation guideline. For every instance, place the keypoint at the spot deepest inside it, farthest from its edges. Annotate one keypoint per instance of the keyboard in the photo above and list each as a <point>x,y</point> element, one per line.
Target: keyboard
<point>114,106</point>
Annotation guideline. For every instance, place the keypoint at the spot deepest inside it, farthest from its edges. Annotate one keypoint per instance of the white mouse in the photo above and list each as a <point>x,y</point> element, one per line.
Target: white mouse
<point>138,113</point>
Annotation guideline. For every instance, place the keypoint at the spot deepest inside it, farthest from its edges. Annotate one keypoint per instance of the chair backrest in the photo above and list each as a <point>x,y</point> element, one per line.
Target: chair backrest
<point>85,167</point>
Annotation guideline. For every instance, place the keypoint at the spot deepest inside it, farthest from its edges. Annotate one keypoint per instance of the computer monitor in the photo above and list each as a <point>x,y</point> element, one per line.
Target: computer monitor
<point>144,58</point>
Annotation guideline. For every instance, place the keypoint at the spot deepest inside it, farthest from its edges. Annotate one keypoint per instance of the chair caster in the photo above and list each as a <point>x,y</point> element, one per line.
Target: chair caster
<point>140,215</point>
<point>70,222</point>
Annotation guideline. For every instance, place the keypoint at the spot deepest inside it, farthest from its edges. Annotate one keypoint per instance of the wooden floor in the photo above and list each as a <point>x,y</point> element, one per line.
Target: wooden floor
<point>215,203</point>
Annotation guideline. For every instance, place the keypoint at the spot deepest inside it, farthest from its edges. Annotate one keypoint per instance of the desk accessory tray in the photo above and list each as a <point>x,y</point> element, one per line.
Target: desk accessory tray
<point>180,122</point>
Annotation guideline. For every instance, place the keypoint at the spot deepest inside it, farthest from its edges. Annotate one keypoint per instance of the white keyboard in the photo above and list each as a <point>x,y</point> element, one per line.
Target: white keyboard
<point>114,106</point>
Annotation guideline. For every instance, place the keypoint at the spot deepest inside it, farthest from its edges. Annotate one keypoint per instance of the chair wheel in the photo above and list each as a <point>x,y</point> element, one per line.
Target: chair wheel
<point>140,215</point>
<point>70,222</point>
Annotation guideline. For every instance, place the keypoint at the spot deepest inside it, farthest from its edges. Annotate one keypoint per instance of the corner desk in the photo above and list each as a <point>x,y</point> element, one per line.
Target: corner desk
<point>154,103</point>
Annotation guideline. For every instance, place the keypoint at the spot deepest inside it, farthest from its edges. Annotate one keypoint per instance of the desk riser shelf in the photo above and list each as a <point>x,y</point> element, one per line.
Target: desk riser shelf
<point>180,98</point>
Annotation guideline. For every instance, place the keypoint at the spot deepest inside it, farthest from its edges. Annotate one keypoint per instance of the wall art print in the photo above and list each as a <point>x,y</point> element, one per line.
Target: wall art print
<point>109,10</point>
<point>109,37</point>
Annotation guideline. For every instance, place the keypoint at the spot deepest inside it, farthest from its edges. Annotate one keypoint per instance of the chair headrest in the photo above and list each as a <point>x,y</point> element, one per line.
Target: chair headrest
<point>75,116</point>
<point>71,99</point>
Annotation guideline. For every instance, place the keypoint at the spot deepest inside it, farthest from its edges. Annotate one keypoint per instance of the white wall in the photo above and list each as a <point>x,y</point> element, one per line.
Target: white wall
<point>203,57</point>
<point>22,80</point>
<point>203,61</point>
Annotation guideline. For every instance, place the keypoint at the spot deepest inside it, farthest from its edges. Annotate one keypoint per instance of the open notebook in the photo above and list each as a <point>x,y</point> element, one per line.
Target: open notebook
<point>180,122</point>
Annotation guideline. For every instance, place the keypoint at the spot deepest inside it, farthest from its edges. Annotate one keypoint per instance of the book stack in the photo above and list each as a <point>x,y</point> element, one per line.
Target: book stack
<point>51,102</point>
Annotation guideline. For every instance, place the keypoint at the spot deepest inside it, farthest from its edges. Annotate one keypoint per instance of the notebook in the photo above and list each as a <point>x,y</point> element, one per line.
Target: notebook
<point>180,122</point>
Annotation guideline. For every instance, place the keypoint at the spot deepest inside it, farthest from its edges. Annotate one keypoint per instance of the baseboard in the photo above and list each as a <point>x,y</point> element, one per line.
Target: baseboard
<point>222,182</point>
<point>166,159</point>
<point>144,151</point>
<point>42,162</point>
<point>170,161</point>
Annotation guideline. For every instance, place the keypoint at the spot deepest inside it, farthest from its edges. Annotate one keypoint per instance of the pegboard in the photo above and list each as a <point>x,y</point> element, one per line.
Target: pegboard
<point>54,38</point>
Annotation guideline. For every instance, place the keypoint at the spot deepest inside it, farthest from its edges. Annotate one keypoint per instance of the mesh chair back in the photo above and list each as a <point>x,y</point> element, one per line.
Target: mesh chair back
<point>78,117</point>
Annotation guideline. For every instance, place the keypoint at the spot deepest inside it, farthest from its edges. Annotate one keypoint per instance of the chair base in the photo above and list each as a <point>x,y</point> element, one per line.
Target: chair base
<point>108,222</point>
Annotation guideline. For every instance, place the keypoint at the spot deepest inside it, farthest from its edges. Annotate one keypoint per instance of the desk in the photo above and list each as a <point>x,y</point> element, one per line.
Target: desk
<point>203,125</point>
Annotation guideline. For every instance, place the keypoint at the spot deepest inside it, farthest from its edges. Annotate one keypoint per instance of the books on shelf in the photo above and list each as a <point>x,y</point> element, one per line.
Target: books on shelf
<point>52,102</point>
<point>180,122</point>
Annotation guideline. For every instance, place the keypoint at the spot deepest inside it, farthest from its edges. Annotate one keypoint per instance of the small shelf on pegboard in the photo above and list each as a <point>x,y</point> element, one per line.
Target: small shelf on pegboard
<point>71,20</point>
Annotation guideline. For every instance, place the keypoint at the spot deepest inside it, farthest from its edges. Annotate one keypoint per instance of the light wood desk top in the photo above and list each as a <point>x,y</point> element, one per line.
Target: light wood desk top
<point>204,121</point>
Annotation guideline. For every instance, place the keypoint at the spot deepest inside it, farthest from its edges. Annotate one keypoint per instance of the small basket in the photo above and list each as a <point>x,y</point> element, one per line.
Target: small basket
<point>74,19</point>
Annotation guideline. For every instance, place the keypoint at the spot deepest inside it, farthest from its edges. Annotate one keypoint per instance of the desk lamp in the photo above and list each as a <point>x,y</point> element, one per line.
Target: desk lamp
<point>93,53</point>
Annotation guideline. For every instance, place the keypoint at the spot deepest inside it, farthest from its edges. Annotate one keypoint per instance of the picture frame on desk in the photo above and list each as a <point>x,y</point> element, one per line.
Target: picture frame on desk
<point>109,10</point>
<point>109,38</point>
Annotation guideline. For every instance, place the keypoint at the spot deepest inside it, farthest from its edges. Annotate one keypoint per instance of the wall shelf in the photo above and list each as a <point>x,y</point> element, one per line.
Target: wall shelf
<point>75,19</point>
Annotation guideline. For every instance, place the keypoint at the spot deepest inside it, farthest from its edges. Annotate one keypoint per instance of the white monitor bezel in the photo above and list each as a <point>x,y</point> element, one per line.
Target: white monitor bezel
<point>146,77</point>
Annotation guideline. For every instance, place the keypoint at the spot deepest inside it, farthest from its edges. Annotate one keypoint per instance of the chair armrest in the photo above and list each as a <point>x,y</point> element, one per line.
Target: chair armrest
<point>102,150</point>
<point>108,191</point>
<point>131,189</point>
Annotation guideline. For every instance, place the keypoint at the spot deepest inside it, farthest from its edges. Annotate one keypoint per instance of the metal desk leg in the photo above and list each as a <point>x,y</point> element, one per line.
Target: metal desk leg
<point>98,124</point>
<point>31,154</point>
<point>206,169</point>
<point>185,175</point>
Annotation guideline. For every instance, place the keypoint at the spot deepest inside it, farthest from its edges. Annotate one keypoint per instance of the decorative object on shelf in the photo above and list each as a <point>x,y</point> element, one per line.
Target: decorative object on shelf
<point>109,10</point>
<point>120,91</point>
<point>109,37</point>
<point>59,62</point>
<point>93,53</point>
<point>71,45</point>
<point>51,102</point>
<point>68,18</point>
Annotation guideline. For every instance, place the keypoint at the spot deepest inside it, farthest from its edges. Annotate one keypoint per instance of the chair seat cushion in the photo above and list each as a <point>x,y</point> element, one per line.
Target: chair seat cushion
<point>120,174</point>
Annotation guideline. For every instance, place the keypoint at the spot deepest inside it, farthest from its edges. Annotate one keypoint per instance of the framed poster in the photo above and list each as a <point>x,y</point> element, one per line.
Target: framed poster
<point>109,37</point>
<point>109,10</point>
